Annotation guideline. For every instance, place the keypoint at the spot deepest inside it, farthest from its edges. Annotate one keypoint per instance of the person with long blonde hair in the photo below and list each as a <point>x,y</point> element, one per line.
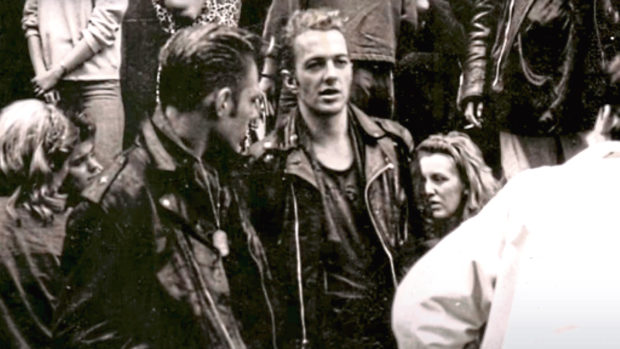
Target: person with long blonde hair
<point>38,152</point>
<point>452,182</point>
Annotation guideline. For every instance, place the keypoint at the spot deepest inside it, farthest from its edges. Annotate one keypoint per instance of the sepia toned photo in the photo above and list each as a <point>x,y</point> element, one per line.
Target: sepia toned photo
<point>381,174</point>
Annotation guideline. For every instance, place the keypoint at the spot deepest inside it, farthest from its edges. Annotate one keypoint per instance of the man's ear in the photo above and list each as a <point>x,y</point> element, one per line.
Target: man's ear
<point>224,102</point>
<point>290,81</point>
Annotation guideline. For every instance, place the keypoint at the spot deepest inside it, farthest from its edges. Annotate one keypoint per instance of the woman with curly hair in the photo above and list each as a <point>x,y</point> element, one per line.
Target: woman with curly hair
<point>452,182</point>
<point>39,152</point>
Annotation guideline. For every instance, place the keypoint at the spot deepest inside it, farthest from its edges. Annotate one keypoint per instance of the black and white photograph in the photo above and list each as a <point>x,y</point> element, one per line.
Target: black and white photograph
<point>309,174</point>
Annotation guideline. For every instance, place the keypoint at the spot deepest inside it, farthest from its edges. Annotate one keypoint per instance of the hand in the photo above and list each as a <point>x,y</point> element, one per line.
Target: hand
<point>47,80</point>
<point>605,122</point>
<point>473,113</point>
<point>545,11</point>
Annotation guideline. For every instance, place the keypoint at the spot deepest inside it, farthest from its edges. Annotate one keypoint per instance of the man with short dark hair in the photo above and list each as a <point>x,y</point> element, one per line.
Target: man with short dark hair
<point>146,251</point>
<point>331,190</point>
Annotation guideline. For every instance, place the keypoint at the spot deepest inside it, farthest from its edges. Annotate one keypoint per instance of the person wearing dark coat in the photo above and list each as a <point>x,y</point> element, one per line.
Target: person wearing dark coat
<point>331,199</point>
<point>534,71</point>
<point>155,252</point>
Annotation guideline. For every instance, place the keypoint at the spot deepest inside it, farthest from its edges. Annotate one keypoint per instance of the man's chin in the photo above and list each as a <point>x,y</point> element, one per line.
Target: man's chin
<point>330,109</point>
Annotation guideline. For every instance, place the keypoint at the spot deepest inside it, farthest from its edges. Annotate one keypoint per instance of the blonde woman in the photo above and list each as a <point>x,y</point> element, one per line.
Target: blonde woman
<point>39,152</point>
<point>452,182</point>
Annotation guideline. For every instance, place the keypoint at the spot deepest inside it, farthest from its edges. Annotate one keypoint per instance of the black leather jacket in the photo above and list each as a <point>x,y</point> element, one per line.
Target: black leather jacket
<point>496,71</point>
<point>287,210</point>
<point>141,266</point>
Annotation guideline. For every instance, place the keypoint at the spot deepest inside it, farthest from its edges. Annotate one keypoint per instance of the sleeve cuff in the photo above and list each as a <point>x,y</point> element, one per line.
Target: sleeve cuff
<point>91,41</point>
<point>31,32</point>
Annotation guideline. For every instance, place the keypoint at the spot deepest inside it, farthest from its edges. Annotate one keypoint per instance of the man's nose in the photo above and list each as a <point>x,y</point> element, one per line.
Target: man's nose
<point>93,165</point>
<point>429,188</point>
<point>330,70</point>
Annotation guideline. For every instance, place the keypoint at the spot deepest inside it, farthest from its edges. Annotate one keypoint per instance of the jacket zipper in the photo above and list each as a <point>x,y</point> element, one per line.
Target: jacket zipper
<point>304,340</point>
<point>374,223</point>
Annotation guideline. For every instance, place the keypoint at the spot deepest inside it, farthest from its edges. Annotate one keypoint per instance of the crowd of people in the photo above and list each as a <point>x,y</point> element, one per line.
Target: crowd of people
<point>283,191</point>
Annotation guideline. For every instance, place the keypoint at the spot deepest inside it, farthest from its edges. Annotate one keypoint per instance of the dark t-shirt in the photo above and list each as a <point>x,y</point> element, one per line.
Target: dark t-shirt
<point>355,271</point>
<point>350,248</point>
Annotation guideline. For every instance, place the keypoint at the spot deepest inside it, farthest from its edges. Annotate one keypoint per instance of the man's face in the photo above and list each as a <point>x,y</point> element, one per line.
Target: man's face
<point>233,128</point>
<point>323,71</point>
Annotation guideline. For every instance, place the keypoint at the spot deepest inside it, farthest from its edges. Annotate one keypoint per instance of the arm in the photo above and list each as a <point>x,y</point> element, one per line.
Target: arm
<point>103,24</point>
<point>471,89</point>
<point>30,25</point>
<point>410,9</point>
<point>89,306</point>
<point>46,80</point>
<point>445,299</point>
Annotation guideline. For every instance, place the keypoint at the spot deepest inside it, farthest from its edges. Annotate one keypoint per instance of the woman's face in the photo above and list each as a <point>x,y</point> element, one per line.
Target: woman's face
<point>81,167</point>
<point>443,188</point>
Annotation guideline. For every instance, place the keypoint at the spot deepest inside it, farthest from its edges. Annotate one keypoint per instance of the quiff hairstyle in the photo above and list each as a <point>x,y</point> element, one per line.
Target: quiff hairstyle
<point>201,59</point>
<point>322,19</point>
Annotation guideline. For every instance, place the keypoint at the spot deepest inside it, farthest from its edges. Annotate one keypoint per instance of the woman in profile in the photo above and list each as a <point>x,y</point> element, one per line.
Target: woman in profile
<point>452,182</point>
<point>40,155</point>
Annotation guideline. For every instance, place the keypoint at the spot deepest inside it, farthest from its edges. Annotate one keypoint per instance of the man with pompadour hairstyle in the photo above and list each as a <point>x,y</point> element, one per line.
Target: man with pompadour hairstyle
<point>148,251</point>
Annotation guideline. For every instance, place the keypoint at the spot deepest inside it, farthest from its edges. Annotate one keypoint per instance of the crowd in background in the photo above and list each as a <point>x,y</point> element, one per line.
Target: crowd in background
<point>338,142</point>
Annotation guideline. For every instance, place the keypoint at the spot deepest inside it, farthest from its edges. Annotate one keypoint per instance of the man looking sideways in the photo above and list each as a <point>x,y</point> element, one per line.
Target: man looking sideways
<point>145,252</point>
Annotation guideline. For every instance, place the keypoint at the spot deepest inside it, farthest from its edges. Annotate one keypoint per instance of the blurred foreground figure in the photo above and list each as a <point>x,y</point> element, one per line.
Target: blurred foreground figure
<point>148,251</point>
<point>40,156</point>
<point>537,266</point>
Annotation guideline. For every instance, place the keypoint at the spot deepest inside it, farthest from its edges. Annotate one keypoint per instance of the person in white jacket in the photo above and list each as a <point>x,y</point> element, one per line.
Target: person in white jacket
<point>537,267</point>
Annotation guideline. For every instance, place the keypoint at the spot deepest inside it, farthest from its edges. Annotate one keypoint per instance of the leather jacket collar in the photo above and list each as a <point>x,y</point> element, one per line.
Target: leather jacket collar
<point>288,139</point>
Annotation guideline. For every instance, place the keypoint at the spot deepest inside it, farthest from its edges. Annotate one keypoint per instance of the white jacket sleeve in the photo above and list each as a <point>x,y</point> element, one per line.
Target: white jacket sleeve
<point>444,300</point>
<point>103,23</point>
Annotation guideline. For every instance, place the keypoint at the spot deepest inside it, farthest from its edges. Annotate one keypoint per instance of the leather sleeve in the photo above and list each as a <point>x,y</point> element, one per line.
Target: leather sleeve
<point>85,315</point>
<point>478,46</point>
